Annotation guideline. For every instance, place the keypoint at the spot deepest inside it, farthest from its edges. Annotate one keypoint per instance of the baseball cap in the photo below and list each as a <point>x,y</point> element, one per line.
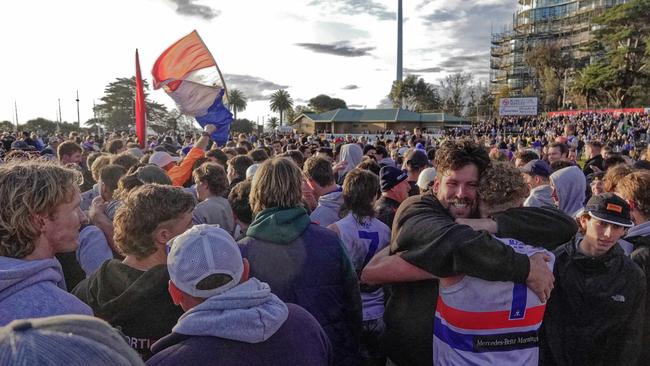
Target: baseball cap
<point>426,177</point>
<point>537,167</point>
<point>389,177</point>
<point>200,252</point>
<point>72,340</point>
<point>162,158</point>
<point>610,208</point>
<point>250,172</point>
<point>416,158</point>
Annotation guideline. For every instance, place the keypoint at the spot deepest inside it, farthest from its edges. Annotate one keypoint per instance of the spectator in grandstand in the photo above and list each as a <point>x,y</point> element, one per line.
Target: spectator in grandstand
<point>569,185</point>
<point>536,174</point>
<point>71,340</point>
<point>595,313</point>
<point>415,161</point>
<point>557,151</point>
<point>633,188</point>
<point>213,208</point>
<point>362,236</point>
<point>411,307</point>
<point>36,224</point>
<point>231,319</point>
<point>394,190</point>
<point>594,159</point>
<point>320,178</point>
<point>132,294</point>
<point>316,272</point>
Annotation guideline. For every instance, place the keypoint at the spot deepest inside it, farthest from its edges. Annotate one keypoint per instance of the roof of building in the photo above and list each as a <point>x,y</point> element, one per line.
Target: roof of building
<point>379,115</point>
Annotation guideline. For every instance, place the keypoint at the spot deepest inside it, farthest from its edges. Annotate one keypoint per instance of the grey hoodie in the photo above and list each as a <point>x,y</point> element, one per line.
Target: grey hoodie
<point>540,197</point>
<point>570,185</point>
<point>35,289</point>
<point>248,312</point>
<point>327,211</point>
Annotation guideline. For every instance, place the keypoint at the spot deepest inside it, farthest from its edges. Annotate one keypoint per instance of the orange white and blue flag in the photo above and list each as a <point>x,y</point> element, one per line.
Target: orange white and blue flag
<point>189,74</point>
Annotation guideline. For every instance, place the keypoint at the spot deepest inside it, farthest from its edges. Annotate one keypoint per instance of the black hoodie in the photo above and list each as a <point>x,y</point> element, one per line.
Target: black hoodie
<point>137,302</point>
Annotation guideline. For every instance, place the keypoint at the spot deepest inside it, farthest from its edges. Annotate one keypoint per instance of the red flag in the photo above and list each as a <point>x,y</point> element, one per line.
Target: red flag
<point>140,106</point>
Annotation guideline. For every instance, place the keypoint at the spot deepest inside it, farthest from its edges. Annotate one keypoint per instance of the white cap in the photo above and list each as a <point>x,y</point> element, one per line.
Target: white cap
<point>251,170</point>
<point>162,159</point>
<point>202,251</point>
<point>426,177</point>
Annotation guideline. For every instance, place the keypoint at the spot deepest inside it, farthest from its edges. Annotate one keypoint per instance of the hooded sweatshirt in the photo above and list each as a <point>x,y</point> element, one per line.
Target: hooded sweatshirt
<point>328,208</point>
<point>307,265</point>
<point>570,185</point>
<point>35,289</point>
<point>246,325</point>
<point>353,155</point>
<point>137,302</point>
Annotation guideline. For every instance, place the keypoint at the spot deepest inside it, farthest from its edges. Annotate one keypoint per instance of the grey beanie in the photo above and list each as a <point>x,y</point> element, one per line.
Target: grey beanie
<point>69,340</point>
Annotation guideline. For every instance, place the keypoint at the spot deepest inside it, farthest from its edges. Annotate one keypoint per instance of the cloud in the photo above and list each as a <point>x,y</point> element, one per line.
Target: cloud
<point>428,69</point>
<point>337,49</point>
<point>423,4</point>
<point>467,61</point>
<point>350,87</point>
<point>189,8</point>
<point>442,15</point>
<point>253,87</point>
<point>355,7</point>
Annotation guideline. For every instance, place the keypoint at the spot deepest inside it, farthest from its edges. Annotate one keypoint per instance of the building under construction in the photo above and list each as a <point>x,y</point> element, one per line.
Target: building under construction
<point>566,23</point>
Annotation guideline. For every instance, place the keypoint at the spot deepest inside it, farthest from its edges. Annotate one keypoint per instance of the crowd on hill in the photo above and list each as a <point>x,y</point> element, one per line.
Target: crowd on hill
<point>519,241</point>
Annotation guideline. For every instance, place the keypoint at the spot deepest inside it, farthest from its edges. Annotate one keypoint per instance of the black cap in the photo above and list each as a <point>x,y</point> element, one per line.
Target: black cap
<point>610,208</point>
<point>389,177</point>
<point>537,167</point>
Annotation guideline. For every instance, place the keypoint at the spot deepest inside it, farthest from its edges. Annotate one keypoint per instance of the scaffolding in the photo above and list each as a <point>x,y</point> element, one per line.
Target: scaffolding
<point>567,23</point>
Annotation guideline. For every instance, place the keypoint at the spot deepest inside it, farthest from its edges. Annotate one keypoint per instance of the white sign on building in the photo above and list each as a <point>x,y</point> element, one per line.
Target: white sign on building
<point>518,107</point>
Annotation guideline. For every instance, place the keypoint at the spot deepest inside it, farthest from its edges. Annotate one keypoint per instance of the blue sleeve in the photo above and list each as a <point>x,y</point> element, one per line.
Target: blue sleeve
<point>93,249</point>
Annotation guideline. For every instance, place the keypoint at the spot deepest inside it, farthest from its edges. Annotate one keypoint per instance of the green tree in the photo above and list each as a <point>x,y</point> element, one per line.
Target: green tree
<point>622,39</point>
<point>280,101</point>
<point>6,126</point>
<point>40,125</point>
<point>242,126</point>
<point>323,103</point>
<point>414,94</point>
<point>550,64</point>
<point>237,101</point>
<point>116,110</point>
<point>454,90</point>
<point>272,123</point>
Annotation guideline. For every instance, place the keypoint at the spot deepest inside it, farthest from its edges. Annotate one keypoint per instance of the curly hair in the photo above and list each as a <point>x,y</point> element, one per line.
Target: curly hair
<point>454,155</point>
<point>634,187</point>
<point>239,202</point>
<point>614,175</point>
<point>501,187</point>
<point>27,189</point>
<point>213,175</point>
<point>277,183</point>
<point>125,159</point>
<point>360,189</point>
<point>144,210</point>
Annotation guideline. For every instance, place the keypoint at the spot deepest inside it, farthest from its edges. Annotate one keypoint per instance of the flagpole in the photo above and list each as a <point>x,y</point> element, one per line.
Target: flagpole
<point>16,110</point>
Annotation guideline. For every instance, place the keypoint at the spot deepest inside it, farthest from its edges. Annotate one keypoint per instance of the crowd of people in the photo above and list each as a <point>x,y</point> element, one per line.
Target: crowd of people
<point>521,241</point>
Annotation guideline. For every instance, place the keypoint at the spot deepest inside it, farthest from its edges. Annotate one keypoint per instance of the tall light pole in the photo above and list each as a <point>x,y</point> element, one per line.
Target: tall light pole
<point>399,40</point>
<point>78,119</point>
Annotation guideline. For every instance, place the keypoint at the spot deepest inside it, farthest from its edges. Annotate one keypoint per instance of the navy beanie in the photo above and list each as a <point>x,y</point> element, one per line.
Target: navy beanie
<point>389,177</point>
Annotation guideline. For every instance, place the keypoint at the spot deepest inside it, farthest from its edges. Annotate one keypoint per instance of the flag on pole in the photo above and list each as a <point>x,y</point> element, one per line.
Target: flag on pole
<point>140,105</point>
<point>190,76</point>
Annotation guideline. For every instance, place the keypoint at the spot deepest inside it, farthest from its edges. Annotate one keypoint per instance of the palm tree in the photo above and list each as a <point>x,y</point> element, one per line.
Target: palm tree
<point>272,123</point>
<point>237,101</point>
<point>280,102</point>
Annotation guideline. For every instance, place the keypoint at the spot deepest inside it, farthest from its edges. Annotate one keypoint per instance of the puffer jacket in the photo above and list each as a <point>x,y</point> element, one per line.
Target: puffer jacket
<point>307,265</point>
<point>595,313</point>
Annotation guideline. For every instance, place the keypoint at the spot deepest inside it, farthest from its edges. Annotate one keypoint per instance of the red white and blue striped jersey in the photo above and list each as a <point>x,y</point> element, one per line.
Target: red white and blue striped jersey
<point>480,322</point>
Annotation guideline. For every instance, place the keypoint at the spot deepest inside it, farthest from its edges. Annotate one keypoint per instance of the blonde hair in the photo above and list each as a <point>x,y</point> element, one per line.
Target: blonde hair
<point>277,183</point>
<point>502,187</point>
<point>98,164</point>
<point>614,175</point>
<point>27,189</point>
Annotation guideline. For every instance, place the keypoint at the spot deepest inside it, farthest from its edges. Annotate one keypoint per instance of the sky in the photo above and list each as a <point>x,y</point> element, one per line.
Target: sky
<point>343,48</point>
